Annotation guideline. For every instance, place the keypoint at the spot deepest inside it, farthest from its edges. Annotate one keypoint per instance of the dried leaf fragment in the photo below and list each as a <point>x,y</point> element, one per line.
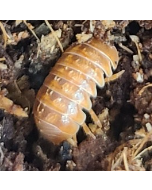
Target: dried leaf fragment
<point>108,24</point>
<point>83,37</point>
<point>48,43</point>
<point>18,37</point>
<point>17,22</point>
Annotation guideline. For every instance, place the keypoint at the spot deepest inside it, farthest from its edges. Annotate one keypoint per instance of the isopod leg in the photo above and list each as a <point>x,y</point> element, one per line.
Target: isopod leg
<point>87,130</point>
<point>73,141</point>
<point>114,76</point>
<point>95,118</point>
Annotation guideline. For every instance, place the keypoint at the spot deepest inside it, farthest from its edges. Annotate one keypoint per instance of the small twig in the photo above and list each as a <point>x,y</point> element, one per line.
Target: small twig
<point>118,161</point>
<point>54,34</point>
<point>145,139</point>
<point>135,39</point>
<point>142,90</point>
<point>125,48</point>
<point>125,158</point>
<point>29,26</point>
<point>2,59</point>
<point>142,152</point>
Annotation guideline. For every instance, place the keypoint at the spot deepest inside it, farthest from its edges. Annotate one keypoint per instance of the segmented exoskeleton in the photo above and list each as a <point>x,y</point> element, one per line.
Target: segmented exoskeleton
<point>66,91</point>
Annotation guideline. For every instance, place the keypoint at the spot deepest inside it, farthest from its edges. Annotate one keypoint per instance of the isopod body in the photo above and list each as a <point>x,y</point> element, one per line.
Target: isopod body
<point>66,91</point>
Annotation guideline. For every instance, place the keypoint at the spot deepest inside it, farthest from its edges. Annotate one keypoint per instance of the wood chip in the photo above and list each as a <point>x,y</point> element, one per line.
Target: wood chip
<point>11,108</point>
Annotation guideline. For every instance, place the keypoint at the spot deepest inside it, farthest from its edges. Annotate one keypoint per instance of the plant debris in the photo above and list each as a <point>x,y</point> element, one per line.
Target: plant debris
<point>28,51</point>
<point>11,108</point>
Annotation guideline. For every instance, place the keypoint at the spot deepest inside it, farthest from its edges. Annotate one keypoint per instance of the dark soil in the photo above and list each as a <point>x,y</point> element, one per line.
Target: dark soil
<point>21,145</point>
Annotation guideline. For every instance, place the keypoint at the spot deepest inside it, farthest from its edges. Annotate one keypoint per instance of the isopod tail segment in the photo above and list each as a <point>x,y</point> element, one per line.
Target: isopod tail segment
<point>66,91</point>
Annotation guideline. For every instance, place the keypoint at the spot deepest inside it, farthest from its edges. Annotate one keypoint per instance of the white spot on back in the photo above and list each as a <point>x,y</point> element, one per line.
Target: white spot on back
<point>65,119</point>
<point>78,95</point>
<point>71,108</point>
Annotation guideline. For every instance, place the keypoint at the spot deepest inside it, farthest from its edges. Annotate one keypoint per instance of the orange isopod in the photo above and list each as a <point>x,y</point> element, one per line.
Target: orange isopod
<point>66,91</point>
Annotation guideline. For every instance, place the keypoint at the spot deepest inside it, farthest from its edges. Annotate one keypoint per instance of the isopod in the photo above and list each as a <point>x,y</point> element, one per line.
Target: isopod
<point>66,91</point>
